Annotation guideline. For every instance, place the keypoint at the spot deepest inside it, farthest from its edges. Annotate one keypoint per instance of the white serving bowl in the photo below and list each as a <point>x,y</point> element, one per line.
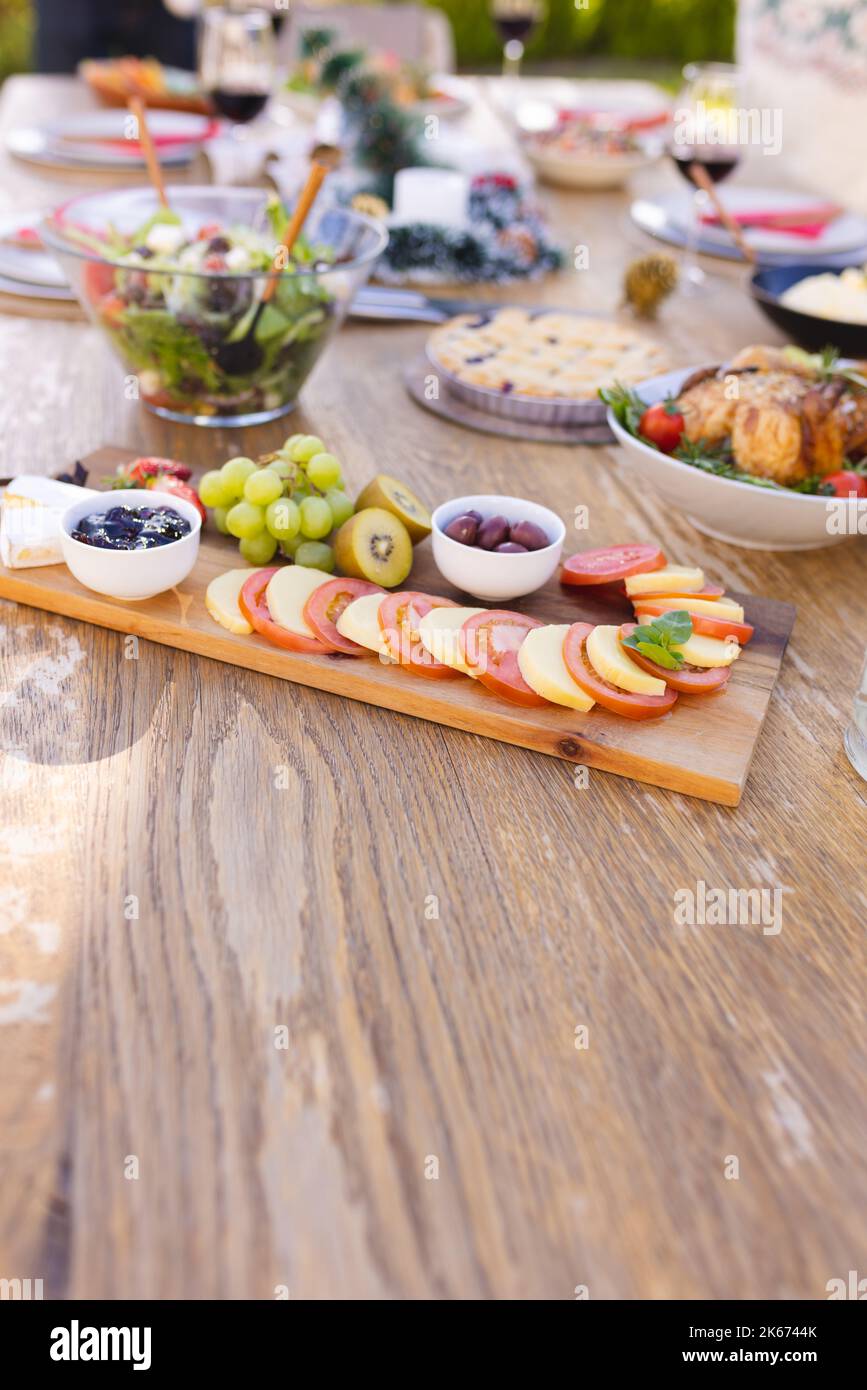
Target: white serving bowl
<point>601,171</point>
<point>130,574</point>
<point>757,518</point>
<point>488,574</point>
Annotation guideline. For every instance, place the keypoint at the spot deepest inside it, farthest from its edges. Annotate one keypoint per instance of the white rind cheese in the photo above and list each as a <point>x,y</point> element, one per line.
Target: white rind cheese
<point>30,513</point>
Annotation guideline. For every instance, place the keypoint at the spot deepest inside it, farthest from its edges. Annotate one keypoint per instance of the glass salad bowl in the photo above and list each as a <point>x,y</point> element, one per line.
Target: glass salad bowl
<point>174,290</point>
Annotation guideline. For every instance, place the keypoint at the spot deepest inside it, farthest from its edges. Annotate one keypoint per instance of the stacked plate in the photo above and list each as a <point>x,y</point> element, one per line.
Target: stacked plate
<point>26,270</point>
<point>764,215</point>
<point>105,140</point>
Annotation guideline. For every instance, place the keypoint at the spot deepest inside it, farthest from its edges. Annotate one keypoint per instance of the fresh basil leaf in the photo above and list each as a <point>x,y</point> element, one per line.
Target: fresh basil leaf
<point>661,655</point>
<point>674,626</point>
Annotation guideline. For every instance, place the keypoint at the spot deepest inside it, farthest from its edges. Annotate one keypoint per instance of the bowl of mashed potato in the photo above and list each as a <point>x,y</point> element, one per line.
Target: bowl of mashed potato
<point>816,305</point>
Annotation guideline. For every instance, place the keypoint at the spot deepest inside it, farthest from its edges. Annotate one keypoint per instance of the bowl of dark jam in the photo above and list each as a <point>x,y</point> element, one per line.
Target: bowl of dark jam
<point>130,545</point>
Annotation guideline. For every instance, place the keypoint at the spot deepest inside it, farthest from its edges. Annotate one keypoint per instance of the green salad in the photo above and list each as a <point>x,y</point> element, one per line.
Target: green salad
<point>181,293</point>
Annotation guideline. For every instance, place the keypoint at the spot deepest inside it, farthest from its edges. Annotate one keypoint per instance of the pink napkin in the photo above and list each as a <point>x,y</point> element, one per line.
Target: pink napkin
<point>809,222</point>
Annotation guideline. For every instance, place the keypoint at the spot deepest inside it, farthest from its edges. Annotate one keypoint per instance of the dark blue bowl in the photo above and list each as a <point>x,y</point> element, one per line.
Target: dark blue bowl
<point>808,330</point>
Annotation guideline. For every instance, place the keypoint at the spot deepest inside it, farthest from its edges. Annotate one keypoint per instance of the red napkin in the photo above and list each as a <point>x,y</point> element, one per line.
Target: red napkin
<point>809,222</point>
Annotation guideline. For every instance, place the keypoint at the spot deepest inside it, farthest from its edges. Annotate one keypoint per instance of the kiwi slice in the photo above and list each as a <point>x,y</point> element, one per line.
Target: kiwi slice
<point>374,544</point>
<point>395,497</point>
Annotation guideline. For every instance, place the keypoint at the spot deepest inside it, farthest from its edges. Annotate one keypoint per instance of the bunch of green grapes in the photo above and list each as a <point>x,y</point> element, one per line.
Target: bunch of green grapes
<point>292,500</point>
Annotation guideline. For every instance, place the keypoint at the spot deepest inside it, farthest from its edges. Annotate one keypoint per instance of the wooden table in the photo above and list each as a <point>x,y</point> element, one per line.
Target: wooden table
<point>194,858</point>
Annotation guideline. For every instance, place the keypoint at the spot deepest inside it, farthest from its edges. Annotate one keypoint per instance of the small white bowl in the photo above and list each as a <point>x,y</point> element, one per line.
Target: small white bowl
<point>489,574</point>
<point>130,574</point>
<point>758,518</point>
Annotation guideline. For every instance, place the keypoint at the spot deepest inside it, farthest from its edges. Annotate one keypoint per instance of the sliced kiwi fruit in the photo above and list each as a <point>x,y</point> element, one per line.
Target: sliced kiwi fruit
<point>374,544</point>
<point>395,497</point>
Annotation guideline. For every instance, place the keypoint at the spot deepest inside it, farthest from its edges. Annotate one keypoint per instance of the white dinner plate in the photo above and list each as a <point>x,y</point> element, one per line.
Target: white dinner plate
<point>37,146</point>
<point>32,266</point>
<point>667,216</point>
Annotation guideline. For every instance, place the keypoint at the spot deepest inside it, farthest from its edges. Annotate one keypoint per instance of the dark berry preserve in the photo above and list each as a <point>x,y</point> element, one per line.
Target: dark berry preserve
<point>131,528</point>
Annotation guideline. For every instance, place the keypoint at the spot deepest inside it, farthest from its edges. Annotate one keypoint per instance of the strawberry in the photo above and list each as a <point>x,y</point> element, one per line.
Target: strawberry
<point>137,473</point>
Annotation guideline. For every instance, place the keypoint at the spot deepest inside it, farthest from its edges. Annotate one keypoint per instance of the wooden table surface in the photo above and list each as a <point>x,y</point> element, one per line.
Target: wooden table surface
<point>293,991</point>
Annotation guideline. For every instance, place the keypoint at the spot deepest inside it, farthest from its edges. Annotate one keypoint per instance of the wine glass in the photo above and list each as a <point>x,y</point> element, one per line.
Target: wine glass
<point>515,21</point>
<point>237,61</point>
<point>705,134</point>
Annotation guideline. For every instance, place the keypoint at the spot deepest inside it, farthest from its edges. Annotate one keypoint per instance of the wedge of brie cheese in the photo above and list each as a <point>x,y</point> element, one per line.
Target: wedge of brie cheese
<point>30,512</point>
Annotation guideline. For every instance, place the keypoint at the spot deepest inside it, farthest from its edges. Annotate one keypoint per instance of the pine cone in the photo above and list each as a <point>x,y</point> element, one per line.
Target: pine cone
<point>648,281</point>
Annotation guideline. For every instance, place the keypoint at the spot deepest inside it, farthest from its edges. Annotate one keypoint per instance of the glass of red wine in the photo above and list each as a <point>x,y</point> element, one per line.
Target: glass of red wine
<point>705,140</point>
<point>237,61</point>
<point>515,21</point>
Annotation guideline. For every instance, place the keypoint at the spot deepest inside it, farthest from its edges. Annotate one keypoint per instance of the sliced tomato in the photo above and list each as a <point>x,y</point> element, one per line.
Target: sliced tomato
<point>708,627</point>
<point>609,696</point>
<point>98,280</point>
<point>251,601</point>
<point>399,617</point>
<point>325,606</point>
<point>690,680</point>
<point>611,563</point>
<point>489,644</point>
<point>708,591</point>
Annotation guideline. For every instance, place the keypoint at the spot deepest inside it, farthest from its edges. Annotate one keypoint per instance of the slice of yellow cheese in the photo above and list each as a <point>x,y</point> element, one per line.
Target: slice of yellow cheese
<point>610,661</point>
<point>221,600</point>
<point>287,593</point>
<point>359,621</point>
<point>671,579</point>
<point>540,661</point>
<point>438,631</point>
<point>699,650</point>
<point>711,608</point>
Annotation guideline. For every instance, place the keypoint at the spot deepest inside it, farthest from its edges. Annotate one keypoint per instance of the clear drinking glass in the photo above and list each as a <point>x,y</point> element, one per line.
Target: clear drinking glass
<point>515,21</point>
<point>855,737</point>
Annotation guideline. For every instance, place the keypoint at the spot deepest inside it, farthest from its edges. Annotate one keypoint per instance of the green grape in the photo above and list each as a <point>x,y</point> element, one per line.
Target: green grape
<point>212,489</point>
<point>235,474</point>
<point>323,470</point>
<point>258,550</point>
<point>288,548</point>
<point>316,518</point>
<point>342,507</point>
<point>263,487</point>
<point>289,444</point>
<point>316,556</point>
<point>299,492</point>
<point>305,447</point>
<point>220,514</point>
<point>281,466</point>
<point>245,521</point>
<point>283,519</point>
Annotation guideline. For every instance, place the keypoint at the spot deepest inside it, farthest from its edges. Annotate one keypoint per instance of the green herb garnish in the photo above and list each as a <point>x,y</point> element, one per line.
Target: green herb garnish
<point>655,640</point>
<point>627,405</point>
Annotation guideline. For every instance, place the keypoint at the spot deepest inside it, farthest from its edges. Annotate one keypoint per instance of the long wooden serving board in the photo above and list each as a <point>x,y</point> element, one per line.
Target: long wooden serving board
<point>703,747</point>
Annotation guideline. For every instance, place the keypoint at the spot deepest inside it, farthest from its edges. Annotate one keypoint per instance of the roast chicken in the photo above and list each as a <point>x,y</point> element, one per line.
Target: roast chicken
<point>785,419</point>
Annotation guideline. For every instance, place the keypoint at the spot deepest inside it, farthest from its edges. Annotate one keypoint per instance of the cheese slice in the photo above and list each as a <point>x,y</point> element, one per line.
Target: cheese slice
<point>30,514</point>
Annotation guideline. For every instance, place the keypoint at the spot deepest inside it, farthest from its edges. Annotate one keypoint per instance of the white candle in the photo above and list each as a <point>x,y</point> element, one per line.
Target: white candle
<point>431,195</point>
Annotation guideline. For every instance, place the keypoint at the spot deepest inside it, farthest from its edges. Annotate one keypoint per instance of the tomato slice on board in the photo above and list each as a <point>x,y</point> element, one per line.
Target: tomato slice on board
<point>399,617</point>
<point>489,644</point>
<point>325,606</point>
<point>251,602</point>
<point>689,680</point>
<point>708,627</point>
<point>709,591</point>
<point>609,696</point>
<point>611,563</point>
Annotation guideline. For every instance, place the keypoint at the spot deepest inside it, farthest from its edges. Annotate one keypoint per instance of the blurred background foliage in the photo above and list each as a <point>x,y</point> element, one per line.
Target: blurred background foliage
<point>616,34</point>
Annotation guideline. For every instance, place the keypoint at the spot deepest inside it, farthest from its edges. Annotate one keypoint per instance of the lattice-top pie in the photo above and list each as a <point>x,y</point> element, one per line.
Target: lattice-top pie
<point>543,355</point>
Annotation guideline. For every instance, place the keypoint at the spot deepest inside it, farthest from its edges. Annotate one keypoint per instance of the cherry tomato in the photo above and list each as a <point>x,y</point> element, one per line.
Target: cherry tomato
<point>253,605</point>
<point>662,425</point>
<point>140,471</point>
<point>489,644</point>
<point>98,280</point>
<point>624,702</point>
<point>399,617</point>
<point>177,488</point>
<point>611,563</point>
<point>709,627</point>
<point>325,606</point>
<point>691,680</point>
<point>844,484</point>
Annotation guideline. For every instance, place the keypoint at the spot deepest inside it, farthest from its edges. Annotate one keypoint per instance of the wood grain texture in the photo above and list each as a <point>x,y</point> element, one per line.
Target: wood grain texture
<point>704,747</point>
<point>285,847</point>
